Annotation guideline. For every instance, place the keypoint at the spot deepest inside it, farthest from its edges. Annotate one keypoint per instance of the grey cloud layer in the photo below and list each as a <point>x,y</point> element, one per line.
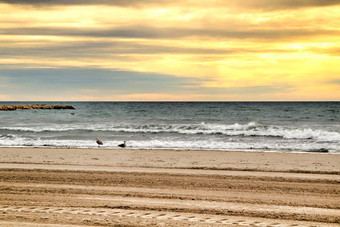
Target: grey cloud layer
<point>138,31</point>
<point>106,81</point>
<point>282,4</point>
<point>82,2</point>
<point>114,50</point>
<point>255,4</point>
<point>35,81</point>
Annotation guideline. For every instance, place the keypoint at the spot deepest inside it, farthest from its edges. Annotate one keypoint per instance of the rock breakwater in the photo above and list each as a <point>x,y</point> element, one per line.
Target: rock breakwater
<point>35,106</point>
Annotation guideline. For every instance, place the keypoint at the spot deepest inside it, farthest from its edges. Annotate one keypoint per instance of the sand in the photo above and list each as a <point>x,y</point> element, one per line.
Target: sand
<point>123,187</point>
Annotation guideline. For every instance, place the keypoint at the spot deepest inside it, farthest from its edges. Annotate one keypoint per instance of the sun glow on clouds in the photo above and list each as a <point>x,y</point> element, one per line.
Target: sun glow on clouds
<point>231,50</point>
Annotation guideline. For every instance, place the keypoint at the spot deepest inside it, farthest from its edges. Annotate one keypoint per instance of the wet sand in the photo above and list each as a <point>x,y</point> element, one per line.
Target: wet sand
<point>122,187</point>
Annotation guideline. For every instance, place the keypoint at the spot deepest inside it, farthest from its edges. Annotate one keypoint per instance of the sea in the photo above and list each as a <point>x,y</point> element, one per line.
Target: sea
<point>236,126</point>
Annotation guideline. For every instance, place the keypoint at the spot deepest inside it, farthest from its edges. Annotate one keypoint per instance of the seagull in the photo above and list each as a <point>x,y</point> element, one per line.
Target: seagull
<point>99,142</point>
<point>122,145</point>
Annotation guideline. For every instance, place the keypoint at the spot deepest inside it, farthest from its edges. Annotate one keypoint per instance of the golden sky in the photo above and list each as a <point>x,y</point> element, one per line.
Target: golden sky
<point>236,50</point>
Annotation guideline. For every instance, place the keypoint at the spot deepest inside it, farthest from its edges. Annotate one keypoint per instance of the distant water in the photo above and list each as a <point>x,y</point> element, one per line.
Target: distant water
<point>270,126</point>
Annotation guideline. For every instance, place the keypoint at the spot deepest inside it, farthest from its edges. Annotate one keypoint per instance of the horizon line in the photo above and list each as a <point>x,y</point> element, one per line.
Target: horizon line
<point>176,101</point>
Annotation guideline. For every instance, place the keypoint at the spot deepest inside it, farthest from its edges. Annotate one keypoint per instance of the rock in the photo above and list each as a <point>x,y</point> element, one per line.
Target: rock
<point>322,150</point>
<point>35,106</point>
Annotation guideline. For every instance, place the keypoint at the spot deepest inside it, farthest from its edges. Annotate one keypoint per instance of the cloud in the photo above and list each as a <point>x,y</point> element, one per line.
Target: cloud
<point>281,4</point>
<point>149,32</point>
<point>104,84</point>
<point>115,50</point>
<point>76,2</point>
<point>257,4</point>
<point>107,81</point>
<point>245,90</point>
<point>336,82</point>
<point>187,45</point>
<point>120,3</point>
<point>332,51</point>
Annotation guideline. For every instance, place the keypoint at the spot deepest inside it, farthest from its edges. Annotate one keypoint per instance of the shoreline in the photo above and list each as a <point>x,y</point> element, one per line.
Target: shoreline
<point>296,162</point>
<point>317,151</point>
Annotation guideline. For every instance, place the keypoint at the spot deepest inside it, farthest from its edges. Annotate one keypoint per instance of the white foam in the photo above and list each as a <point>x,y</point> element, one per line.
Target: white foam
<point>216,136</point>
<point>250,129</point>
<point>170,144</point>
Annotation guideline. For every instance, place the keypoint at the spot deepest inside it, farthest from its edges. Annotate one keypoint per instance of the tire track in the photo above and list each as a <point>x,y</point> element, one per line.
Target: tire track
<point>217,205</point>
<point>159,215</point>
<point>157,198</point>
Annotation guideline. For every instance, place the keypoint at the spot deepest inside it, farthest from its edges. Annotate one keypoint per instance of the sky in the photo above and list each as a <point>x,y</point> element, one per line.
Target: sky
<point>169,50</point>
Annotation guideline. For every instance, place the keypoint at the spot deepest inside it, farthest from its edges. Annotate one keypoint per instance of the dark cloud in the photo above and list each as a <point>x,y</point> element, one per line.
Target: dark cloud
<point>149,32</point>
<point>83,2</point>
<point>104,80</point>
<point>117,50</point>
<point>75,81</point>
<point>256,4</point>
<point>281,4</point>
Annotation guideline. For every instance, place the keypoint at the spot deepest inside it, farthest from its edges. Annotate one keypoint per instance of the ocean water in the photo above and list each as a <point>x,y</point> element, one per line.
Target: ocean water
<point>265,126</point>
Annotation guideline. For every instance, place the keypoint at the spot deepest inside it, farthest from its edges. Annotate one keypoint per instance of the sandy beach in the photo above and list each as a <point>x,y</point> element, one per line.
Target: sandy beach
<point>127,187</point>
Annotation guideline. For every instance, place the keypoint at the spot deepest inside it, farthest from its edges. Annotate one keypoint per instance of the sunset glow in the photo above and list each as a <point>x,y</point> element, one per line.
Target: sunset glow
<point>170,50</point>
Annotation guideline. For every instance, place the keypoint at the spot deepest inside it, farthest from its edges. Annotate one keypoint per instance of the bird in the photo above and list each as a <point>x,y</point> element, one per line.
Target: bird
<point>122,145</point>
<point>99,142</point>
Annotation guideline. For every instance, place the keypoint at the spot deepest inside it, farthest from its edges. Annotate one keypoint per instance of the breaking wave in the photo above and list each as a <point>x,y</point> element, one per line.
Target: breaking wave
<point>246,130</point>
<point>12,140</point>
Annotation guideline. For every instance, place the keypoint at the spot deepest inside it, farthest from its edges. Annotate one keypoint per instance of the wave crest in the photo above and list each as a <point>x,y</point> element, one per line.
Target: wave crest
<point>245,130</point>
